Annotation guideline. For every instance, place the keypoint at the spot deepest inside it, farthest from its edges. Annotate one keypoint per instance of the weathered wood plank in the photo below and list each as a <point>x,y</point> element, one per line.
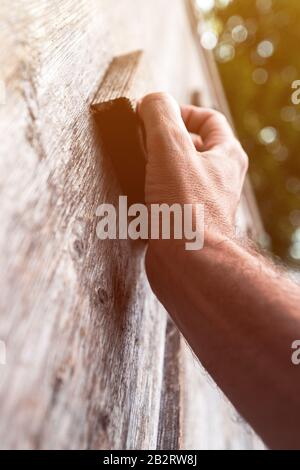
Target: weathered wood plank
<point>170,418</point>
<point>80,324</point>
<point>209,421</point>
<point>85,337</point>
<point>118,127</point>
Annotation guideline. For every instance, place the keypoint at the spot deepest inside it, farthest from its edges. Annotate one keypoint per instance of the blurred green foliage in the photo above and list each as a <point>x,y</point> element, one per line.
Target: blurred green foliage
<point>256,46</point>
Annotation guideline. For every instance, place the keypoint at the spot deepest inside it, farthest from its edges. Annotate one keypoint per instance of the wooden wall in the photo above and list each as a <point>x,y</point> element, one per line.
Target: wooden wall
<point>91,360</point>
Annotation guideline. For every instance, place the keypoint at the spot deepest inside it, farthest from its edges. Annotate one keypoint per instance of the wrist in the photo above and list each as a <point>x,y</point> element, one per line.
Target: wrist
<point>214,241</point>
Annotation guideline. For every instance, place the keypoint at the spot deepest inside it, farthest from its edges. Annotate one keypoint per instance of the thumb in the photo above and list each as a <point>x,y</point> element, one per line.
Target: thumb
<point>166,135</point>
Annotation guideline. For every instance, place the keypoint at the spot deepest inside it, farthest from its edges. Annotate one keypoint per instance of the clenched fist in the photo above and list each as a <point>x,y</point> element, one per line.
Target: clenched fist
<point>193,157</point>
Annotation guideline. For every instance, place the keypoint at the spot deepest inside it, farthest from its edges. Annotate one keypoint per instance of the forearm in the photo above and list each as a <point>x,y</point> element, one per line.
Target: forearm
<point>240,316</point>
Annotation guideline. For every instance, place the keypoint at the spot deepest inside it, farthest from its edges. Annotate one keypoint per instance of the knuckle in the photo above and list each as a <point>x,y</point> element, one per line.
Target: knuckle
<point>220,115</point>
<point>217,114</point>
<point>234,150</point>
<point>245,161</point>
<point>241,155</point>
<point>157,97</point>
<point>219,119</point>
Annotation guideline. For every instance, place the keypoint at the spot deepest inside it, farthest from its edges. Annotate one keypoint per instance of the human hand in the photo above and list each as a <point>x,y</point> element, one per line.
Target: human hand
<point>193,157</point>
<point>228,302</point>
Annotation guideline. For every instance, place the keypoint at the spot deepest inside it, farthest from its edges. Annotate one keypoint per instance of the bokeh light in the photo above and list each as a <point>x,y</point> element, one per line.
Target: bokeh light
<point>264,6</point>
<point>209,40</point>
<point>260,76</point>
<point>295,247</point>
<point>265,49</point>
<point>268,135</point>
<point>205,5</point>
<point>225,52</point>
<point>255,43</point>
<point>239,33</point>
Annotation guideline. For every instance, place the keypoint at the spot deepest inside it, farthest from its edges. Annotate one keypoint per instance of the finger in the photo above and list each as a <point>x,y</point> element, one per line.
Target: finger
<point>197,141</point>
<point>210,125</point>
<point>166,135</point>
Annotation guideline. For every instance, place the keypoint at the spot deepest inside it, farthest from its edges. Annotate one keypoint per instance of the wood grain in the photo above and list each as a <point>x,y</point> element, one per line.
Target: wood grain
<point>118,126</point>
<point>170,418</point>
<point>85,337</point>
<point>208,420</point>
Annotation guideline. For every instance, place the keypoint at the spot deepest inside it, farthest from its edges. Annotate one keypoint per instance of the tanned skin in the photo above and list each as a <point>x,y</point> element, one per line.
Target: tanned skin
<point>238,311</point>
